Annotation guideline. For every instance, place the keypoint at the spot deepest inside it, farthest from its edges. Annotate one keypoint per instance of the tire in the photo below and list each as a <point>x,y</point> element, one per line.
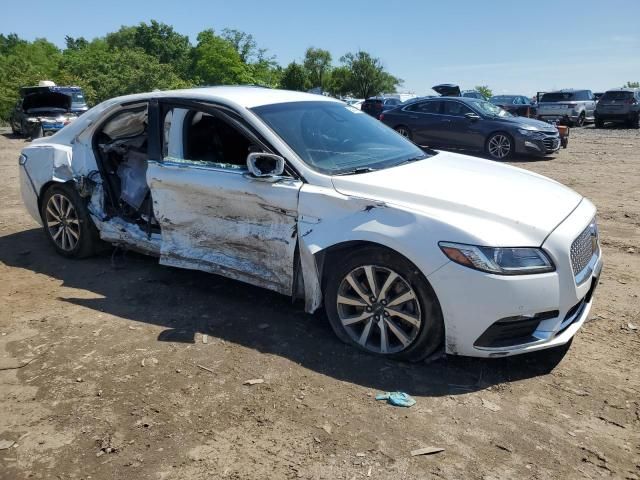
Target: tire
<point>493,145</point>
<point>36,132</point>
<point>635,123</point>
<point>71,231</point>
<point>413,328</point>
<point>404,131</point>
<point>581,119</point>
<point>599,123</point>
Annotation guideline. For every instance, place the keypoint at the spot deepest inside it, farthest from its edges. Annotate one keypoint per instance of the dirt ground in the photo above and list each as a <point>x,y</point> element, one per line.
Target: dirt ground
<point>117,368</point>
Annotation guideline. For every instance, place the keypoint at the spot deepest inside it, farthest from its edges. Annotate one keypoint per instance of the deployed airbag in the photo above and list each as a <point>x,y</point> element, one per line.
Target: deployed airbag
<point>133,177</point>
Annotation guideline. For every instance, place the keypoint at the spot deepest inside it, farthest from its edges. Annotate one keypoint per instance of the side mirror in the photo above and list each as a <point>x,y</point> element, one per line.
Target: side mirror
<point>265,165</point>
<point>472,116</point>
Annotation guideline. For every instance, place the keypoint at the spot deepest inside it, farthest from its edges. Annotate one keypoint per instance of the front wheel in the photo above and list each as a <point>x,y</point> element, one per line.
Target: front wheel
<point>404,131</point>
<point>67,223</point>
<point>380,303</point>
<point>500,146</point>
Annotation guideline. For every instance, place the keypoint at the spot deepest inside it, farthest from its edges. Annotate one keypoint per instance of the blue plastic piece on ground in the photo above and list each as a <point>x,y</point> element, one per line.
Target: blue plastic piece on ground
<point>399,399</point>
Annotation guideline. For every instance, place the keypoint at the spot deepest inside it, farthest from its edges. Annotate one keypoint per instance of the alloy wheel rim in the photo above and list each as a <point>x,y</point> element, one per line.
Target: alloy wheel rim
<point>403,132</point>
<point>378,309</point>
<point>499,146</point>
<point>62,222</point>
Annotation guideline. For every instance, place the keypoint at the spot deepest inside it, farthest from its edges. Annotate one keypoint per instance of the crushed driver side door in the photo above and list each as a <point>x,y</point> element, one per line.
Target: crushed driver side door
<point>214,216</point>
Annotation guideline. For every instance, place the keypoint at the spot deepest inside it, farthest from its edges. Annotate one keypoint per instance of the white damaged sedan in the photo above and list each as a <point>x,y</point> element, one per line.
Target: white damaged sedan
<point>408,250</point>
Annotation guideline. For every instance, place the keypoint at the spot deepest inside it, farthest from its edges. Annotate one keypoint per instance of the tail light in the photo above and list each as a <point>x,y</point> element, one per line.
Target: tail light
<point>381,116</point>
<point>631,101</point>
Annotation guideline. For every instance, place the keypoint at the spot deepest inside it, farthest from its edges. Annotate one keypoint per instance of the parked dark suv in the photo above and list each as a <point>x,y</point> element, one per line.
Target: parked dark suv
<point>374,106</point>
<point>472,124</point>
<point>621,105</point>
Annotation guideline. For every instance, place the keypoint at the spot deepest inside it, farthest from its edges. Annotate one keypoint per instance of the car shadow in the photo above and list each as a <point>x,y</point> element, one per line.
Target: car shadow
<point>186,302</point>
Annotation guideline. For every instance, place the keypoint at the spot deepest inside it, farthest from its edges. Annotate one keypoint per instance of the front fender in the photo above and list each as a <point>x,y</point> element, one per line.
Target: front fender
<point>328,218</point>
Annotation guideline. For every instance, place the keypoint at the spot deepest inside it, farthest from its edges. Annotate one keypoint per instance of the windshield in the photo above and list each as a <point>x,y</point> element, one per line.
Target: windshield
<point>487,108</point>
<point>619,95</point>
<point>502,99</point>
<point>78,98</point>
<point>558,97</point>
<point>334,138</point>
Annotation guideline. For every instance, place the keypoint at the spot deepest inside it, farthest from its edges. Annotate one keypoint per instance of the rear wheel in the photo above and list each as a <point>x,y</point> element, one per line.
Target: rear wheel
<point>67,223</point>
<point>599,123</point>
<point>499,146</point>
<point>580,121</point>
<point>380,303</point>
<point>404,131</point>
<point>635,122</point>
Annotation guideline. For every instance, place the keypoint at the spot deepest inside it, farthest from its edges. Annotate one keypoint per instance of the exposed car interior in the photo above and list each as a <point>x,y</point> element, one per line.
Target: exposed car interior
<point>122,157</point>
<point>189,136</point>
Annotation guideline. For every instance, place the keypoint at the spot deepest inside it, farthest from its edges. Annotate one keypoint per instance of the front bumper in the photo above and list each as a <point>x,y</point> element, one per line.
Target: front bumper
<point>472,302</point>
<point>541,146</point>
<point>616,117</point>
<point>29,195</point>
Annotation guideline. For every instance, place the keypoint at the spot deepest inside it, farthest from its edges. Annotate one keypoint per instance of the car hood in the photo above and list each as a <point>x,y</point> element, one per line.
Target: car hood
<point>46,100</point>
<point>525,122</point>
<point>503,203</point>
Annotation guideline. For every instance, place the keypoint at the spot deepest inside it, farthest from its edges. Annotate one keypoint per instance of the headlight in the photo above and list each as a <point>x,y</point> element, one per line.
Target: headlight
<point>527,133</point>
<point>500,260</point>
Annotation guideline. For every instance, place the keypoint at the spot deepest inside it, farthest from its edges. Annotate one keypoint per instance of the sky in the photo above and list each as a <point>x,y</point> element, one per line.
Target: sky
<point>518,47</point>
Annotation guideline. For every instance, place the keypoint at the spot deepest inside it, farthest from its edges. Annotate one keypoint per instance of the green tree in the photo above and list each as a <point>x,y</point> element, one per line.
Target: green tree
<point>108,72</point>
<point>294,77</point>
<point>217,62</point>
<point>263,68</point>
<point>484,90</point>
<point>631,85</point>
<point>367,75</point>
<point>317,63</point>
<point>75,43</point>
<point>341,82</point>
<point>156,39</point>
<point>24,63</point>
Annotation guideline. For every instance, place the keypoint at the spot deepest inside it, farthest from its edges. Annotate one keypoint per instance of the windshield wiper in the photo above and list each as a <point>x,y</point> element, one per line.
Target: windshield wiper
<point>358,170</point>
<point>412,159</point>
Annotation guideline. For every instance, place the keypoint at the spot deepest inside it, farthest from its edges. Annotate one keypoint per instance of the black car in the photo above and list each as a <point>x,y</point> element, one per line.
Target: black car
<point>453,90</point>
<point>374,106</point>
<point>515,104</point>
<point>472,124</point>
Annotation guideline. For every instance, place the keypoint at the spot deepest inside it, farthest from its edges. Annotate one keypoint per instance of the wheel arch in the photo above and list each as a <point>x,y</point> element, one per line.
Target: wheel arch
<point>332,253</point>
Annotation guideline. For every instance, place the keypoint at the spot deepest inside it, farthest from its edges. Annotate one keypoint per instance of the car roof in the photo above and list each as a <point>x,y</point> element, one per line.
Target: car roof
<point>244,96</point>
<point>623,89</point>
<point>570,90</point>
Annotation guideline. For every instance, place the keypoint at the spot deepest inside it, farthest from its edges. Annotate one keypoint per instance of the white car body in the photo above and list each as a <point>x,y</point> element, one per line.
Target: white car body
<point>229,224</point>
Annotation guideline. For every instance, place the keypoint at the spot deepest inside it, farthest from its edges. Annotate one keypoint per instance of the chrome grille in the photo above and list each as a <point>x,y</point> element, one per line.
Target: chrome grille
<point>584,247</point>
<point>551,143</point>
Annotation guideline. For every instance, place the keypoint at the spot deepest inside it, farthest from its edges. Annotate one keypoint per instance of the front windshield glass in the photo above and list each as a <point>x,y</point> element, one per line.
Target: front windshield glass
<point>334,138</point>
<point>502,99</point>
<point>78,98</point>
<point>557,97</point>
<point>489,109</point>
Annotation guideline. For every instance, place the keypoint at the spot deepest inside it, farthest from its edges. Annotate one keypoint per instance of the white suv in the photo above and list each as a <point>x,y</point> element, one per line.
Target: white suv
<point>571,107</point>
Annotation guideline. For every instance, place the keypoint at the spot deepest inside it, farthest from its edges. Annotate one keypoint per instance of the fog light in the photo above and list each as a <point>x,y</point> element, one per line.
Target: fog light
<point>531,145</point>
<point>22,159</point>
